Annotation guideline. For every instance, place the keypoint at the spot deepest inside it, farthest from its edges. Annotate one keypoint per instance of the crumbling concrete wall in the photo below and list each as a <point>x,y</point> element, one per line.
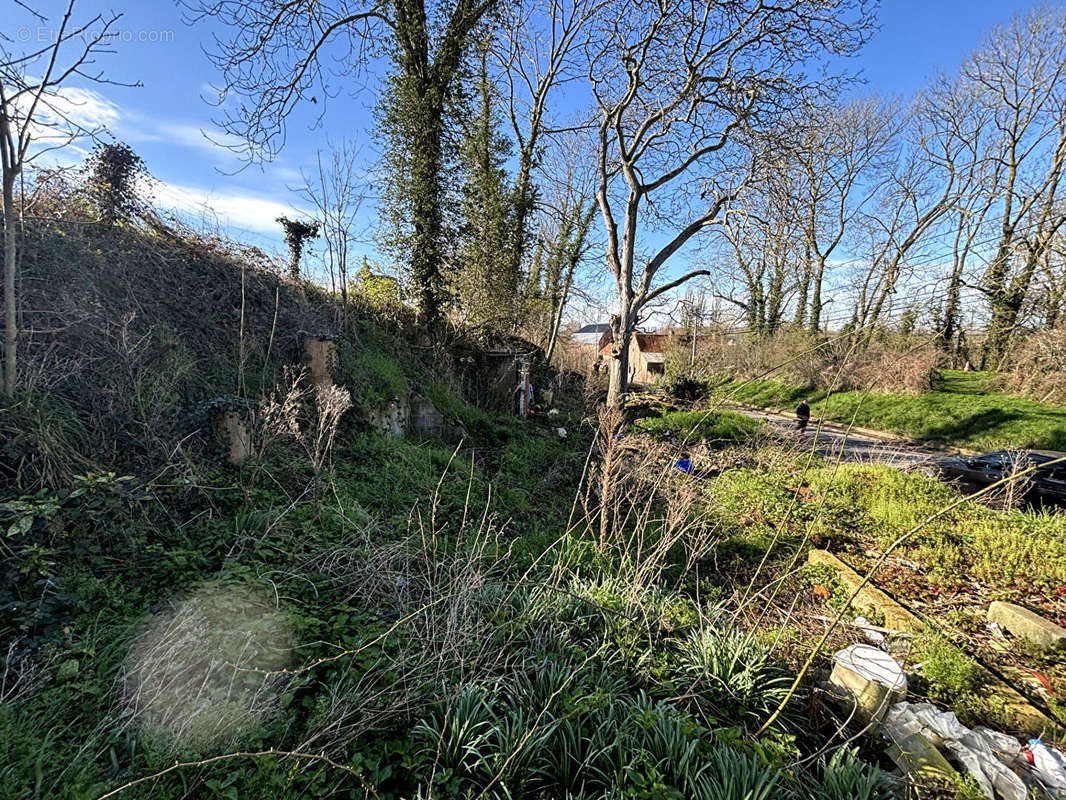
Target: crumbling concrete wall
<point>426,420</point>
<point>393,419</point>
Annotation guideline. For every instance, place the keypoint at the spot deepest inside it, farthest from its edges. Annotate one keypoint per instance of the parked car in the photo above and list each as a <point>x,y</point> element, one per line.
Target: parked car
<point>1045,484</point>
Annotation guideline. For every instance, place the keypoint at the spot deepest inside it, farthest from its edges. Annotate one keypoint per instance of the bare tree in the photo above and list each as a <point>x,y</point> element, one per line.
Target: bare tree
<point>953,128</point>
<point>936,169</point>
<point>1020,75</point>
<point>676,84</point>
<point>1051,294</point>
<point>840,154</point>
<point>763,235</point>
<point>565,241</point>
<point>337,191</point>
<point>281,54</point>
<point>538,48</point>
<point>557,272</point>
<point>38,117</point>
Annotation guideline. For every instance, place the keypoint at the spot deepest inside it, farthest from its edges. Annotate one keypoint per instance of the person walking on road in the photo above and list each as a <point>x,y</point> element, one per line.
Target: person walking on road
<point>803,415</point>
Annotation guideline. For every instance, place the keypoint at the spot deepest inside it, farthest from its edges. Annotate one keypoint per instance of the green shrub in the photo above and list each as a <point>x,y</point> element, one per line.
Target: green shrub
<point>845,776</point>
<point>734,674</point>
<point>374,378</point>
<point>693,426</point>
<point>952,676</point>
<point>688,387</point>
<point>734,775</point>
<point>965,415</point>
<point>459,737</point>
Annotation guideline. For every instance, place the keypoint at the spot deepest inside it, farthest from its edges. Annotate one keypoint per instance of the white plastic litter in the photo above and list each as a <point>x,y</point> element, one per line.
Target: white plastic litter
<point>874,665</point>
<point>561,432</point>
<point>1006,747</point>
<point>983,753</point>
<point>871,633</point>
<point>553,412</point>
<point>1049,765</point>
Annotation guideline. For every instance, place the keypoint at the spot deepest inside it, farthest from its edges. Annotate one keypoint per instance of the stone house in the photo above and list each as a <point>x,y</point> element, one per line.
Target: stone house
<point>647,355</point>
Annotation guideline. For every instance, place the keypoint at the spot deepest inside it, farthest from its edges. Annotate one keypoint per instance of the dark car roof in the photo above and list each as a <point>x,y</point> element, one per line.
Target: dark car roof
<point>1039,456</point>
<point>1045,455</point>
<point>1033,457</point>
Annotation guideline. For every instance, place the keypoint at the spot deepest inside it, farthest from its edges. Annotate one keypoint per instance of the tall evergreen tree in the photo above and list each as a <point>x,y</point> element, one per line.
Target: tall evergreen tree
<point>487,281</point>
<point>418,139</point>
<point>281,54</point>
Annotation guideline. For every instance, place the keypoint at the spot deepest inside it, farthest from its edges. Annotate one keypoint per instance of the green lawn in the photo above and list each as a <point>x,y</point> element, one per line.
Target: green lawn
<point>720,426</point>
<point>963,410</point>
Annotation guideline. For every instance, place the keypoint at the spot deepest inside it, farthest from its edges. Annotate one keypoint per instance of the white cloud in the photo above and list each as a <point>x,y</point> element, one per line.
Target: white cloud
<point>83,107</point>
<point>59,118</point>
<point>288,175</point>
<point>140,128</point>
<point>239,211</point>
<point>90,110</point>
<point>236,208</point>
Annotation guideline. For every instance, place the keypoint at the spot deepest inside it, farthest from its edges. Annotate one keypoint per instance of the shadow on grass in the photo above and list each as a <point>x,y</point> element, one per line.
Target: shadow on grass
<point>996,423</point>
<point>971,426</point>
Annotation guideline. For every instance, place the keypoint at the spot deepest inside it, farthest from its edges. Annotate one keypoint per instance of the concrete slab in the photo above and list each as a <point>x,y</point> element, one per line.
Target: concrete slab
<point>1022,714</point>
<point>1028,625</point>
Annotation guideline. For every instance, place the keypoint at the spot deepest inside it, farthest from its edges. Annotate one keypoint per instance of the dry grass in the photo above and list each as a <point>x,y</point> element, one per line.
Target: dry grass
<point>840,362</point>
<point>1037,367</point>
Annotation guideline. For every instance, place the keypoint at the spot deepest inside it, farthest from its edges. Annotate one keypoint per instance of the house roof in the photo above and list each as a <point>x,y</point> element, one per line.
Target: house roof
<point>647,343</point>
<point>652,342</point>
<point>596,327</point>
<point>585,338</point>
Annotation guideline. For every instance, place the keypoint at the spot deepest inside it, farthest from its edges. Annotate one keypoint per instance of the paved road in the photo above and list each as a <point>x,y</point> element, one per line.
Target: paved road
<point>833,441</point>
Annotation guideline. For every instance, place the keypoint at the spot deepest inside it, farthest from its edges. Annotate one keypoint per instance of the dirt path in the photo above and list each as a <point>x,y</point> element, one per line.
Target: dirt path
<point>834,441</point>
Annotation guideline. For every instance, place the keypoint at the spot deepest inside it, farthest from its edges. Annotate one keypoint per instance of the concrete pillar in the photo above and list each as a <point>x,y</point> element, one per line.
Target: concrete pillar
<point>233,430</point>
<point>919,759</point>
<point>321,354</point>
<point>1028,625</point>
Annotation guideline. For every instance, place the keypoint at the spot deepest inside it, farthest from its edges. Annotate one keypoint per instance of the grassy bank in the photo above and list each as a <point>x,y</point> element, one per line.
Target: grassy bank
<point>963,410</point>
<point>428,624</point>
<point>948,571</point>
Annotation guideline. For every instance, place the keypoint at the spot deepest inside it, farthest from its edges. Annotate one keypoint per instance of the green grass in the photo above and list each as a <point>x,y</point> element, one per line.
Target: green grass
<point>724,426</point>
<point>962,558</point>
<point>964,410</point>
<point>853,508</point>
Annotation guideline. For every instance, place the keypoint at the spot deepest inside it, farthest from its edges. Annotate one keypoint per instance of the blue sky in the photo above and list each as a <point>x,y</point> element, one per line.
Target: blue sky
<point>164,119</point>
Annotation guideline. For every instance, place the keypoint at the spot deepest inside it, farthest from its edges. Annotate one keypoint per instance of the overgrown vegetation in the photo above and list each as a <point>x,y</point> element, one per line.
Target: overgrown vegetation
<point>354,612</point>
<point>261,538</point>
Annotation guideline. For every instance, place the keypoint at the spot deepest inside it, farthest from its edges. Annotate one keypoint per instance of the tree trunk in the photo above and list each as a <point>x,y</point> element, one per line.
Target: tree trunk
<point>558,303</point>
<point>775,301</point>
<point>1000,329</point>
<point>426,214</point>
<point>618,380</point>
<point>949,322</point>
<point>523,206</point>
<point>10,321</point>
<point>814,320</point>
<point>803,291</point>
<point>1006,308</point>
